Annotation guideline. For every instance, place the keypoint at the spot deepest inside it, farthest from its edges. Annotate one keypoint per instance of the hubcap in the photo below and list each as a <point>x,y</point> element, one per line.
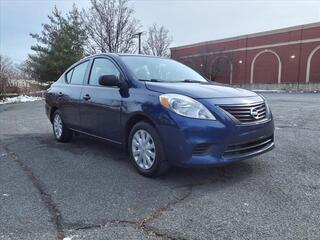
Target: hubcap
<point>57,125</point>
<point>143,149</point>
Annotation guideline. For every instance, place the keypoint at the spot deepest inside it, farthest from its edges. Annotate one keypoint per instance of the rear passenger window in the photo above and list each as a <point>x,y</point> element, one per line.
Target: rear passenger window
<point>102,66</point>
<point>77,74</point>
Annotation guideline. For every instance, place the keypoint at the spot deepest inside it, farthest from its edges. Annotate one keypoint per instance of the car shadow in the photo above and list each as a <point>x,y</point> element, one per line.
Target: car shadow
<point>176,175</point>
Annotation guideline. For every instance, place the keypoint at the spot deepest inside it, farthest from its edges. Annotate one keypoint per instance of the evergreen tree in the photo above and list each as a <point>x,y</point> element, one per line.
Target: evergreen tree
<point>60,44</point>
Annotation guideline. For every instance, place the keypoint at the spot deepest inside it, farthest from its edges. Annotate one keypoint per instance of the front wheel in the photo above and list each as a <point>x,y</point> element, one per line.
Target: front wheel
<point>60,132</point>
<point>146,151</point>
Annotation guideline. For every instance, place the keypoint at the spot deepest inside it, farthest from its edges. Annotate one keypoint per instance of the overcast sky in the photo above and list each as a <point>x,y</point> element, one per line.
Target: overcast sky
<point>188,21</point>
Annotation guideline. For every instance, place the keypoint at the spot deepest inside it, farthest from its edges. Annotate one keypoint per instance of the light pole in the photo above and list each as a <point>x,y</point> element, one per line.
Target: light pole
<point>139,36</point>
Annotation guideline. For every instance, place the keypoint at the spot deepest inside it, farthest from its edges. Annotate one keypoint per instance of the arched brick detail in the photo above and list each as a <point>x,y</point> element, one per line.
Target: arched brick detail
<point>309,63</point>
<point>228,61</point>
<point>259,54</point>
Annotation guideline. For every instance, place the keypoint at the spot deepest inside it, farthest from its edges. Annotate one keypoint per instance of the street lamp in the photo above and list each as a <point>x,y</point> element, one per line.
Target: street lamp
<point>139,36</point>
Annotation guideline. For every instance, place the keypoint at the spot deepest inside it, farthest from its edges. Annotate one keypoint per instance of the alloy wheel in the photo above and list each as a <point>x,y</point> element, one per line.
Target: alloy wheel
<point>57,126</point>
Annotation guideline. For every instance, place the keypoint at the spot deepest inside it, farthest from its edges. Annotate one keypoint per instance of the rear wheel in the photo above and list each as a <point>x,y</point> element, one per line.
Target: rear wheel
<point>146,151</point>
<point>60,132</point>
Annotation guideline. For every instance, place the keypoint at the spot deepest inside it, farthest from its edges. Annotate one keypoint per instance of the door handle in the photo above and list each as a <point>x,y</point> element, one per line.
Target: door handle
<point>86,97</point>
<point>60,94</point>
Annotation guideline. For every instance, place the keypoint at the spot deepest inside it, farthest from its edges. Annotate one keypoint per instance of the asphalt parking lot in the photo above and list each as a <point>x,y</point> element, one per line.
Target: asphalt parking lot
<point>88,190</point>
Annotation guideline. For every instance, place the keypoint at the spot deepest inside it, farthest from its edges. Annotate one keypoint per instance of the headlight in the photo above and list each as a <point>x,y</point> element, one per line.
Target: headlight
<point>185,106</point>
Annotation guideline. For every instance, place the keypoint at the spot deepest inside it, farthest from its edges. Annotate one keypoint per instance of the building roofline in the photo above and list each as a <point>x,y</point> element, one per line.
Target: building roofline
<point>259,34</point>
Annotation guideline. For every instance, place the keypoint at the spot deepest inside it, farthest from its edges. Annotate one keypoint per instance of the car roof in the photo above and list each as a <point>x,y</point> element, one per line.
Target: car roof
<point>111,55</point>
<point>122,54</point>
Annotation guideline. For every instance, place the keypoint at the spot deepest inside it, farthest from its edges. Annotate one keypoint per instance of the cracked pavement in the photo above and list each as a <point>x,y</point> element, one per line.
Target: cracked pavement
<point>87,189</point>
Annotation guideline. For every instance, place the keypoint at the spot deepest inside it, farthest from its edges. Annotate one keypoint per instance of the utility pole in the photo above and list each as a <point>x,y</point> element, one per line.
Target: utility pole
<point>139,36</point>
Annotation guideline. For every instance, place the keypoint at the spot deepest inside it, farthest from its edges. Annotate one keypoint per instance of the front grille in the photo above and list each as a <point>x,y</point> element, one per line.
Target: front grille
<point>248,147</point>
<point>247,113</point>
<point>201,148</point>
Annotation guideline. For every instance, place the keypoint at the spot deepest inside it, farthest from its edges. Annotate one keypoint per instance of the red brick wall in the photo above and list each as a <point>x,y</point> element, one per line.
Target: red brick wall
<point>266,68</point>
<point>293,46</point>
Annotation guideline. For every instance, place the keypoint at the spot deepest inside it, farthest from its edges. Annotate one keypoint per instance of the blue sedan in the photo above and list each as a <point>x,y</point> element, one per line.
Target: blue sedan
<point>161,111</point>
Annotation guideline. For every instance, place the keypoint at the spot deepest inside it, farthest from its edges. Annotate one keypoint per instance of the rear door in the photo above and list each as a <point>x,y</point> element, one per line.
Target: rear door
<point>101,108</point>
<point>69,96</point>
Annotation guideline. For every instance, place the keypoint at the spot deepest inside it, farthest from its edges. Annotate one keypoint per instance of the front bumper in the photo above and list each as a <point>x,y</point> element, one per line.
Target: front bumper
<point>194,142</point>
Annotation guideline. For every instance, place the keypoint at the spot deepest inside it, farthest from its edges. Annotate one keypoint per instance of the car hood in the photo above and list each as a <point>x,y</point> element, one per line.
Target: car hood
<point>199,90</point>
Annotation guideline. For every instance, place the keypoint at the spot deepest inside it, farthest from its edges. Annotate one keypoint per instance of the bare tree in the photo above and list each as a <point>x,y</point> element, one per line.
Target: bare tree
<point>8,72</point>
<point>157,42</point>
<point>110,26</point>
<point>5,67</point>
<point>5,72</point>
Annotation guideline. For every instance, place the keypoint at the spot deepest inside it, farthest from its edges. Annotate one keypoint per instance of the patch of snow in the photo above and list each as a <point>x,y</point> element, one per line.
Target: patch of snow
<point>246,204</point>
<point>5,195</point>
<point>21,98</point>
<point>68,238</point>
<point>38,83</point>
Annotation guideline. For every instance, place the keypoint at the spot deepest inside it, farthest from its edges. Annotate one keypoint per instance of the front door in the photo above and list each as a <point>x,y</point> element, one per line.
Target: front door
<point>101,105</point>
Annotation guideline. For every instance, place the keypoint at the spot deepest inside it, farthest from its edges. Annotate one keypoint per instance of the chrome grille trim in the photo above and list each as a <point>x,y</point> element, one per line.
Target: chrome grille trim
<point>243,112</point>
<point>249,147</point>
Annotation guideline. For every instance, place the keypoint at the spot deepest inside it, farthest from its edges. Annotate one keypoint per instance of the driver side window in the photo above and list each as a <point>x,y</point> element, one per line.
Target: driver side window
<point>100,67</point>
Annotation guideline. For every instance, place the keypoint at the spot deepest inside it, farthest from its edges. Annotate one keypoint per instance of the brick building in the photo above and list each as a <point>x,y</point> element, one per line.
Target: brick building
<point>278,58</point>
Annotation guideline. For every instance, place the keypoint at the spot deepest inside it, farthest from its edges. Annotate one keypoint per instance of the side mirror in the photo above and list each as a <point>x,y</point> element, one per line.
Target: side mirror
<point>109,80</point>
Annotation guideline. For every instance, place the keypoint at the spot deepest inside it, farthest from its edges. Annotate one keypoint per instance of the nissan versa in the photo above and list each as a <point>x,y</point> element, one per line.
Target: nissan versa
<point>161,111</point>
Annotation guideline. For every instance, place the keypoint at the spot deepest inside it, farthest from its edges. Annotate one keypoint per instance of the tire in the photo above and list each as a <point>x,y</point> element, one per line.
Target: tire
<point>150,149</point>
<point>60,131</point>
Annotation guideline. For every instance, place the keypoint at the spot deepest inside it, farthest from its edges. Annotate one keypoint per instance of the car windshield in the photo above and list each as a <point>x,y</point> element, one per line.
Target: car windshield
<point>160,70</point>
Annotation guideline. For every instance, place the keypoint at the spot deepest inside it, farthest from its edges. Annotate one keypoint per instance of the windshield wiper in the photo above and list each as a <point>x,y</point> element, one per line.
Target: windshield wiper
<point>150,80</point>
<point>193,81</point>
